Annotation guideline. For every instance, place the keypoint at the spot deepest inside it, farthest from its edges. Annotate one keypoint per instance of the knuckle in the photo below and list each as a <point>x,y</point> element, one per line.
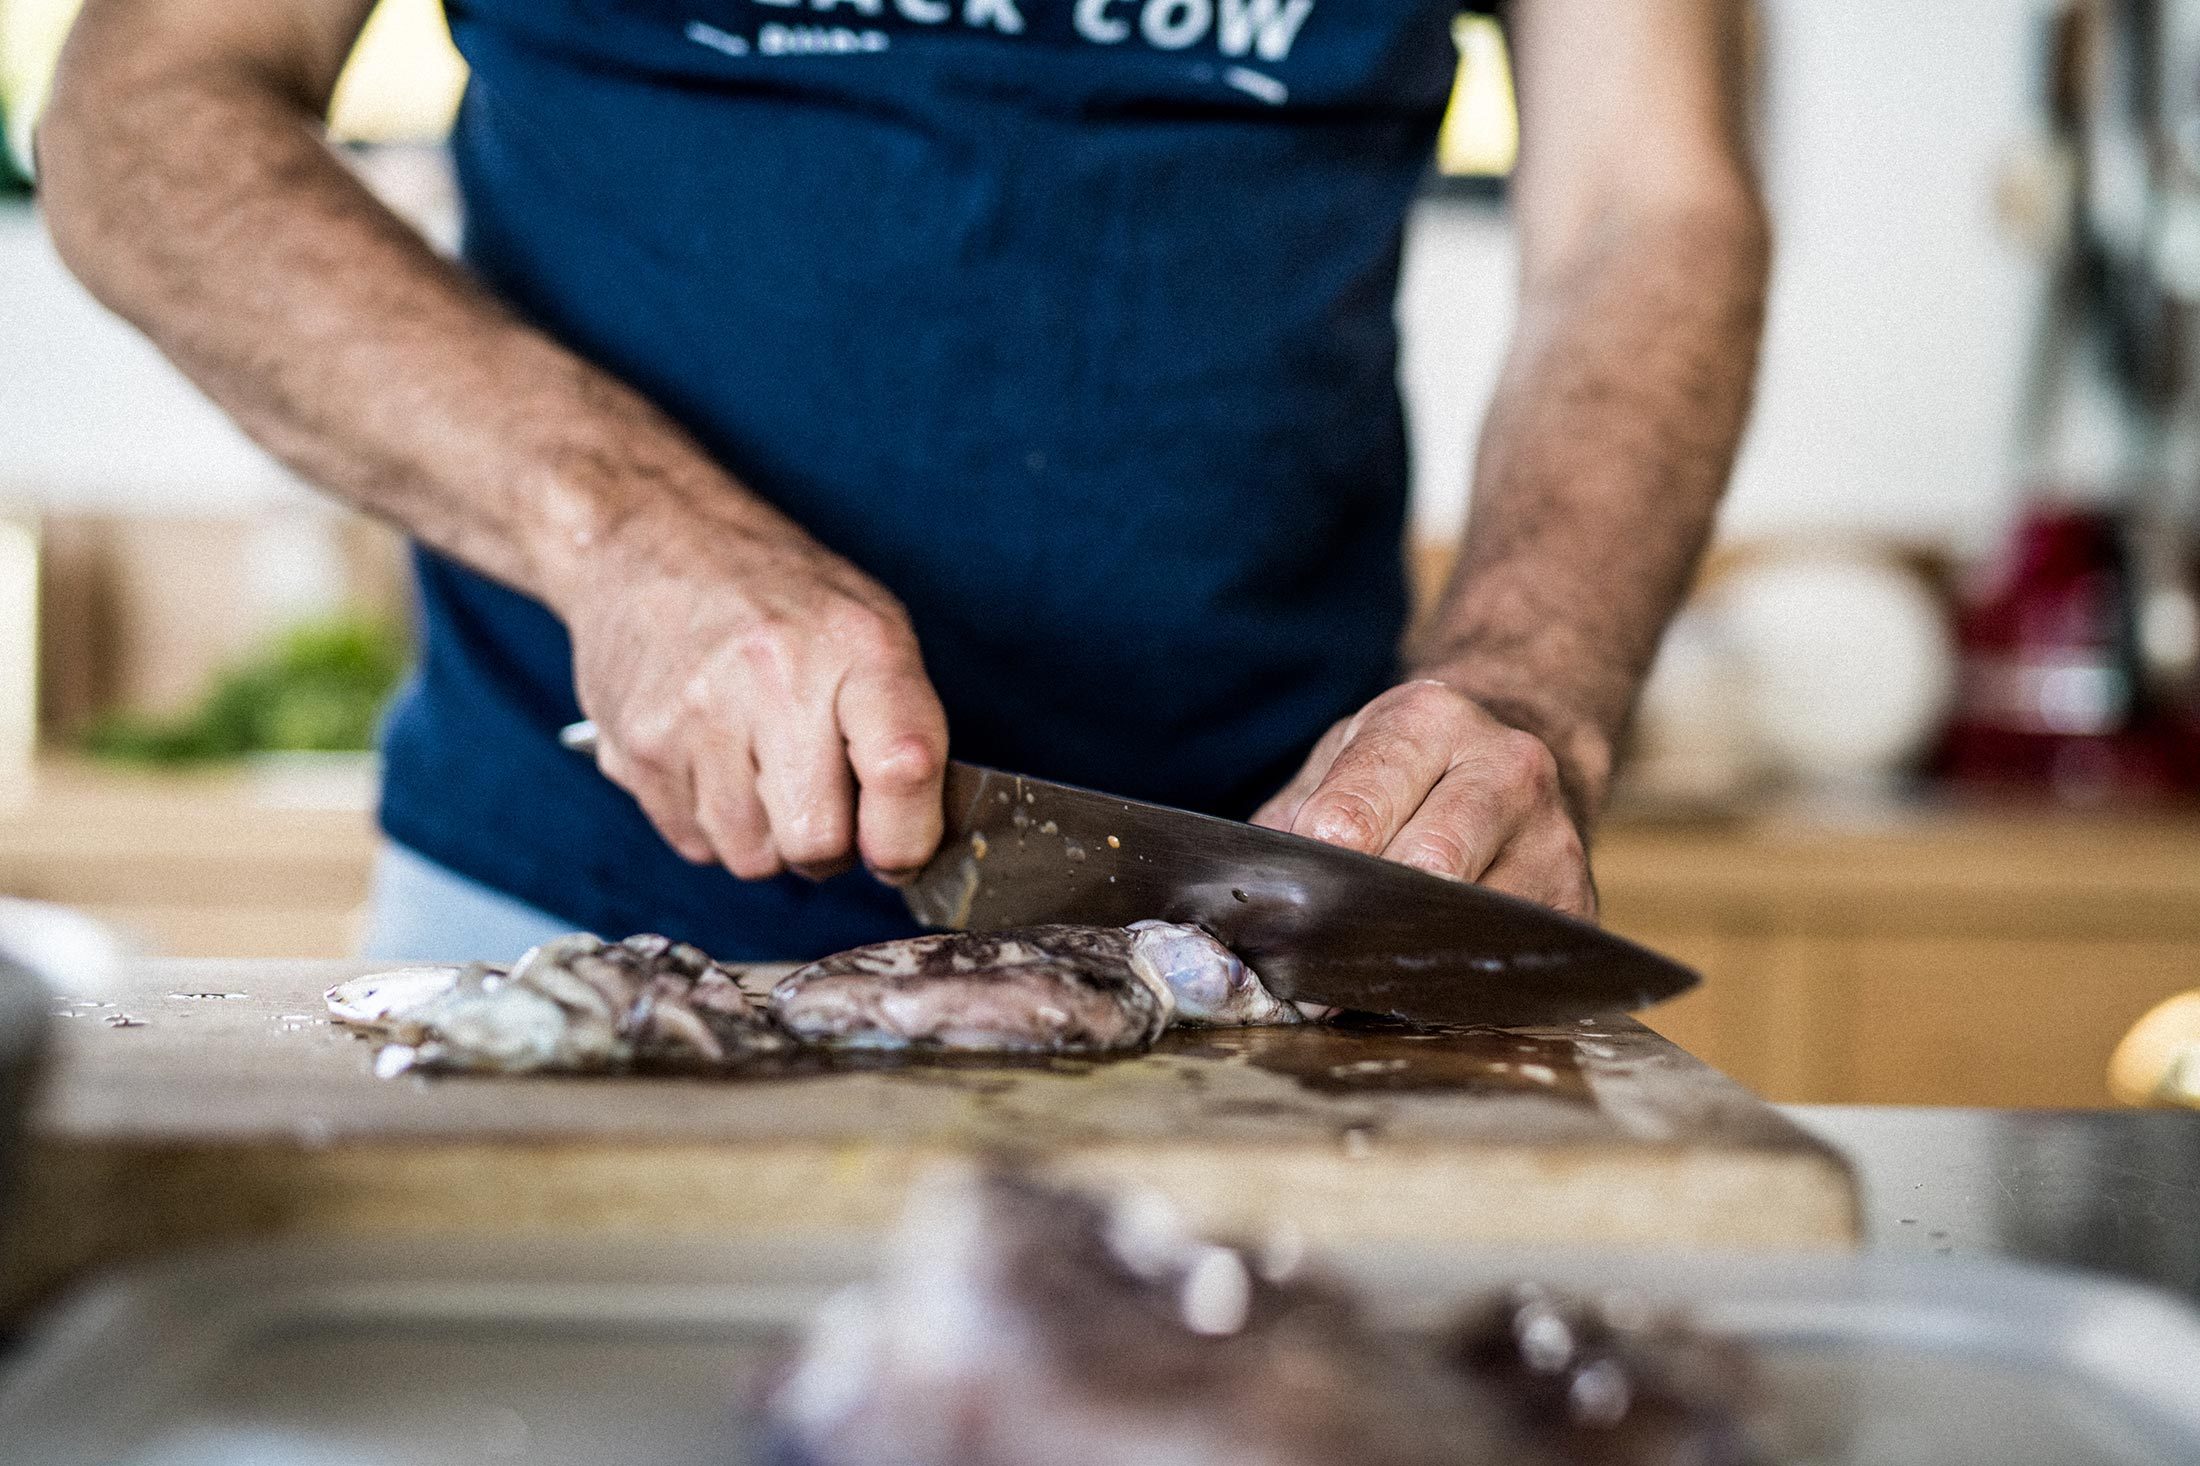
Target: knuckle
<point>1346,817</point>
<point>766,651</point>
<point>748,855</point>
<point>896,861</point>
<point>904,764</point>
<point>810,841</point>
<point>1437,852</point>
<point>869,634</point>
<point>643,746</point>
<point>1427,699</point>
<point>1528,761</point>
<point>753,866</point>
<point>698,694</point>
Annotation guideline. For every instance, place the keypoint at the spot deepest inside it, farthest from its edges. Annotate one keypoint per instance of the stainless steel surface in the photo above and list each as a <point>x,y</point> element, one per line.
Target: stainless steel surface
<point>579,1350</point>
<point>1320,924</point>
<point>2111,1191</point>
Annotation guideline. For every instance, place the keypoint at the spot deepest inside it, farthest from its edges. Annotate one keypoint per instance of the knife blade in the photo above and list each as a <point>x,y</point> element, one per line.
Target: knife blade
<point>1318,923</point>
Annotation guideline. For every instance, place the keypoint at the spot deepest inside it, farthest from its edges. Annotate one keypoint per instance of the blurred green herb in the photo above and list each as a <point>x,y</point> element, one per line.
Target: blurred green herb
<point>321,687</point>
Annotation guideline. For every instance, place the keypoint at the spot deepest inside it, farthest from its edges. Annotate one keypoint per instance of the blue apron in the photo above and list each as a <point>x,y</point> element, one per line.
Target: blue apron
<point>1070,321</point>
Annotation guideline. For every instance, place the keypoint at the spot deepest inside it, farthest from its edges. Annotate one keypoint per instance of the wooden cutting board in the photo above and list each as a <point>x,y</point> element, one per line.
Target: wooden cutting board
<point>213,1100</point>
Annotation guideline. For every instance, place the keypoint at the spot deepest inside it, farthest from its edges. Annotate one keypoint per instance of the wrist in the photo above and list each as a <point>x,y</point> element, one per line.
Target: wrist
<point>1583,746</point>
<point>602,524</point>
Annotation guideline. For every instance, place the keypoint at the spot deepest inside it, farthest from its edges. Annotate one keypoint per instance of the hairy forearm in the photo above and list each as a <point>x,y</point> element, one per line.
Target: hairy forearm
<point>1606,450</point>
<point>203,206</point>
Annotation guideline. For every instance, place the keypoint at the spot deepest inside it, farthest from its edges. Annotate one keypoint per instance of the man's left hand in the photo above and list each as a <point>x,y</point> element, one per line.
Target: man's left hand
<point>1427,776</point>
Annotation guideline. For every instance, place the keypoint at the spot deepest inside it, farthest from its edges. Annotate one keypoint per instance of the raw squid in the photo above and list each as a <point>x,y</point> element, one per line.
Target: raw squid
<point>1209,983</point>
<point>581,1004</point>
<point>574,1004</point>
<point>1058,988</point>
<point>1014,1324</point>
<point>1034,989</point>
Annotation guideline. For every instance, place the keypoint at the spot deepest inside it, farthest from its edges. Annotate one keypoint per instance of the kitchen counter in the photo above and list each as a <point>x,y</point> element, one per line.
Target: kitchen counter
<point>1911,955</point>
<point>2110,1191</point>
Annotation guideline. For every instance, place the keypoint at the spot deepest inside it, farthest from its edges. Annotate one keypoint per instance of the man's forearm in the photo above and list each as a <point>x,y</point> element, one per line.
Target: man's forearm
<point>201,204</point>
<point>1608,445</point>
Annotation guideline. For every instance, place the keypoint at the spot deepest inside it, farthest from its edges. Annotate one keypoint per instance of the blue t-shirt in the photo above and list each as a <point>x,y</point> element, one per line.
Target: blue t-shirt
<point>1070,321</point>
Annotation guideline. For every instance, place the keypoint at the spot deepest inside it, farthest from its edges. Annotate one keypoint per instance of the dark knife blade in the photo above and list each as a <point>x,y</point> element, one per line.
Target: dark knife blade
<point>1319,924</point>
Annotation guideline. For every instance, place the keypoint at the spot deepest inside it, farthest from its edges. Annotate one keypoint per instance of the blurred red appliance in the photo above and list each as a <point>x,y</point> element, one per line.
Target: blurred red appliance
<point>2050,693</point>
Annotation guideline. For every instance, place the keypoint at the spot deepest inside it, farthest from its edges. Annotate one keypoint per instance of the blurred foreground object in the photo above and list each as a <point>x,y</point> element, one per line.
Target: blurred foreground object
<point>2158,1063</point>
<point>46,952</point>
<point>1018,1324</point>
<point>18,655</point>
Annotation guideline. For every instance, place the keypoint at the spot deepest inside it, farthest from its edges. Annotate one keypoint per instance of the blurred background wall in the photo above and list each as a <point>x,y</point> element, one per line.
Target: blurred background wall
<point>1899,312</point>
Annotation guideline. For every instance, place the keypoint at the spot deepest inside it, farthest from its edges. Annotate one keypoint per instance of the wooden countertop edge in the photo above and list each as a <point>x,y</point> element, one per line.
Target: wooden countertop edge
<point>99,1203</point>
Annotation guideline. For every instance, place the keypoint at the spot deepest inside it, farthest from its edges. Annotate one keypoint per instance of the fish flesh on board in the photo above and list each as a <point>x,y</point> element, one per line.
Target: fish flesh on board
<point>579,1004</point>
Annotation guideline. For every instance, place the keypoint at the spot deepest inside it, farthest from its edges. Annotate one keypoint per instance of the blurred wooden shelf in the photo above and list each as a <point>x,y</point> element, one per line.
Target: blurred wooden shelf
<point>269,862</point>
<point>1984,957</point>
<point>1966,957</point>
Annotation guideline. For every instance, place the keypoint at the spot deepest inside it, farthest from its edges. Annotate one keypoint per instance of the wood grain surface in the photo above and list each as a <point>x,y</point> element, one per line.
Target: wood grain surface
<point>174,1115</point>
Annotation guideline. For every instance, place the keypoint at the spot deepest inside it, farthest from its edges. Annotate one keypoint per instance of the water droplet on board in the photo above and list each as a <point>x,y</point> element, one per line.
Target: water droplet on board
<point>1114,844</point>
<point>123,1020</point>
<point>1076,854</point>
<point>1050,828</point>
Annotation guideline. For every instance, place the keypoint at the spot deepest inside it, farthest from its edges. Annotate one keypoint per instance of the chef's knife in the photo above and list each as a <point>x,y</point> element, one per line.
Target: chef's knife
<point>1319,924</point>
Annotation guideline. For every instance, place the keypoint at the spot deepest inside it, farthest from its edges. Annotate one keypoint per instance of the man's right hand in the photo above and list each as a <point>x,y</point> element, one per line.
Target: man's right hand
<point>762,698</point>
